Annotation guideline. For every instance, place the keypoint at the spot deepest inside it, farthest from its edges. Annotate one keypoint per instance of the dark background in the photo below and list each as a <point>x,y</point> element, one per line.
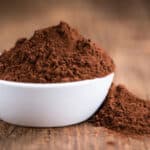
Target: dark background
<point>116,8</point>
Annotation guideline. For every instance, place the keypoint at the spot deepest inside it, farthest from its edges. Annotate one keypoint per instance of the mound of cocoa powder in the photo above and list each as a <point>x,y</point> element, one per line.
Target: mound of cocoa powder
<point>61,54</point>
<point>54,54</point>
<point>122,111</point>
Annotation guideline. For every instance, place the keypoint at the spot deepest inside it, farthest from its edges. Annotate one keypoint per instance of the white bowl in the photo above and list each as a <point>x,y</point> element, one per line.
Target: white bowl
<point>52,105</point>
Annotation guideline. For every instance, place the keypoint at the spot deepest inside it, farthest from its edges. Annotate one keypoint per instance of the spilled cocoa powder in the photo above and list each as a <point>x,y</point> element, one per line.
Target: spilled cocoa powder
<point>54,54</point>
<point>124,112</point>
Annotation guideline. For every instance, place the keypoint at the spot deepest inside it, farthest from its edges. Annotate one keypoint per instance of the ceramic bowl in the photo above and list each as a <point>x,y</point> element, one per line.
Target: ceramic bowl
<point>52,105</point>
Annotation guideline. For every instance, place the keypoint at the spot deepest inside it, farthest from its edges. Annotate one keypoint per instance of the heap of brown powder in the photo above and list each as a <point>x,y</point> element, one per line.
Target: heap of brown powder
<point>61,54</point>
<point>54,54</point>
<point>124,112</point>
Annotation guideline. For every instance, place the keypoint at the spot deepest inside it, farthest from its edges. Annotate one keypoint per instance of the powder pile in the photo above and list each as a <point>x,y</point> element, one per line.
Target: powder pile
<point>124,112</point>
<point>54,54</point>
<point>61,54</point>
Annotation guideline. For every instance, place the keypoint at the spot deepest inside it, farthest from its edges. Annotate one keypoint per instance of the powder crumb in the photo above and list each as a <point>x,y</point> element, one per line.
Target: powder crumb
<point>124,112</point>
<point>54,54</point>
<point>111,143</point>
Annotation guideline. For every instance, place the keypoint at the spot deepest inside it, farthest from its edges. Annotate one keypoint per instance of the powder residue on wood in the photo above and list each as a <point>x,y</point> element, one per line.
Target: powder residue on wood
<point>54,54</point>
<point>122,111</point>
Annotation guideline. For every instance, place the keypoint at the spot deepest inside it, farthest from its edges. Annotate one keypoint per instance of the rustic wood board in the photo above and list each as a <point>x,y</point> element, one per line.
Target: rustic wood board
<point>126,40</point>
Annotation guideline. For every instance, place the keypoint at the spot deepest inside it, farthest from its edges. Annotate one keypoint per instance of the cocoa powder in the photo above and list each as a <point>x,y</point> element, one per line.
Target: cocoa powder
<point>61,54</point>
<point>54,54</point>
<point>124,112</point>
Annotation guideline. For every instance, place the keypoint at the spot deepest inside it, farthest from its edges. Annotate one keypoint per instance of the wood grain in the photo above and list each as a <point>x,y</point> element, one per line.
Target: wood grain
<point>126,40</point>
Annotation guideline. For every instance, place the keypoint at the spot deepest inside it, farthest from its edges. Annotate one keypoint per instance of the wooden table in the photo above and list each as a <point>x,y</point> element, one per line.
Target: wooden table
<point>125,39</point>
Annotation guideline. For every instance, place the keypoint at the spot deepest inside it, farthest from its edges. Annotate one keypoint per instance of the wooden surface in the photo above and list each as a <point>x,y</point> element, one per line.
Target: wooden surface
<point>125,38</point>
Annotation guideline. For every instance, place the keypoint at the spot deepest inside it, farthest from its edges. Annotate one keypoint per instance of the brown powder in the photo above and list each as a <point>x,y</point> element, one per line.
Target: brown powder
<point>54,54</point>
<point>124,112</point>
<point>61,54</point>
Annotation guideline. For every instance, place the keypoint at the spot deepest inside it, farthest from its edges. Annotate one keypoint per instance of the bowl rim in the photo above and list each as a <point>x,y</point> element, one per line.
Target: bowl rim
<point>48,85</point>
